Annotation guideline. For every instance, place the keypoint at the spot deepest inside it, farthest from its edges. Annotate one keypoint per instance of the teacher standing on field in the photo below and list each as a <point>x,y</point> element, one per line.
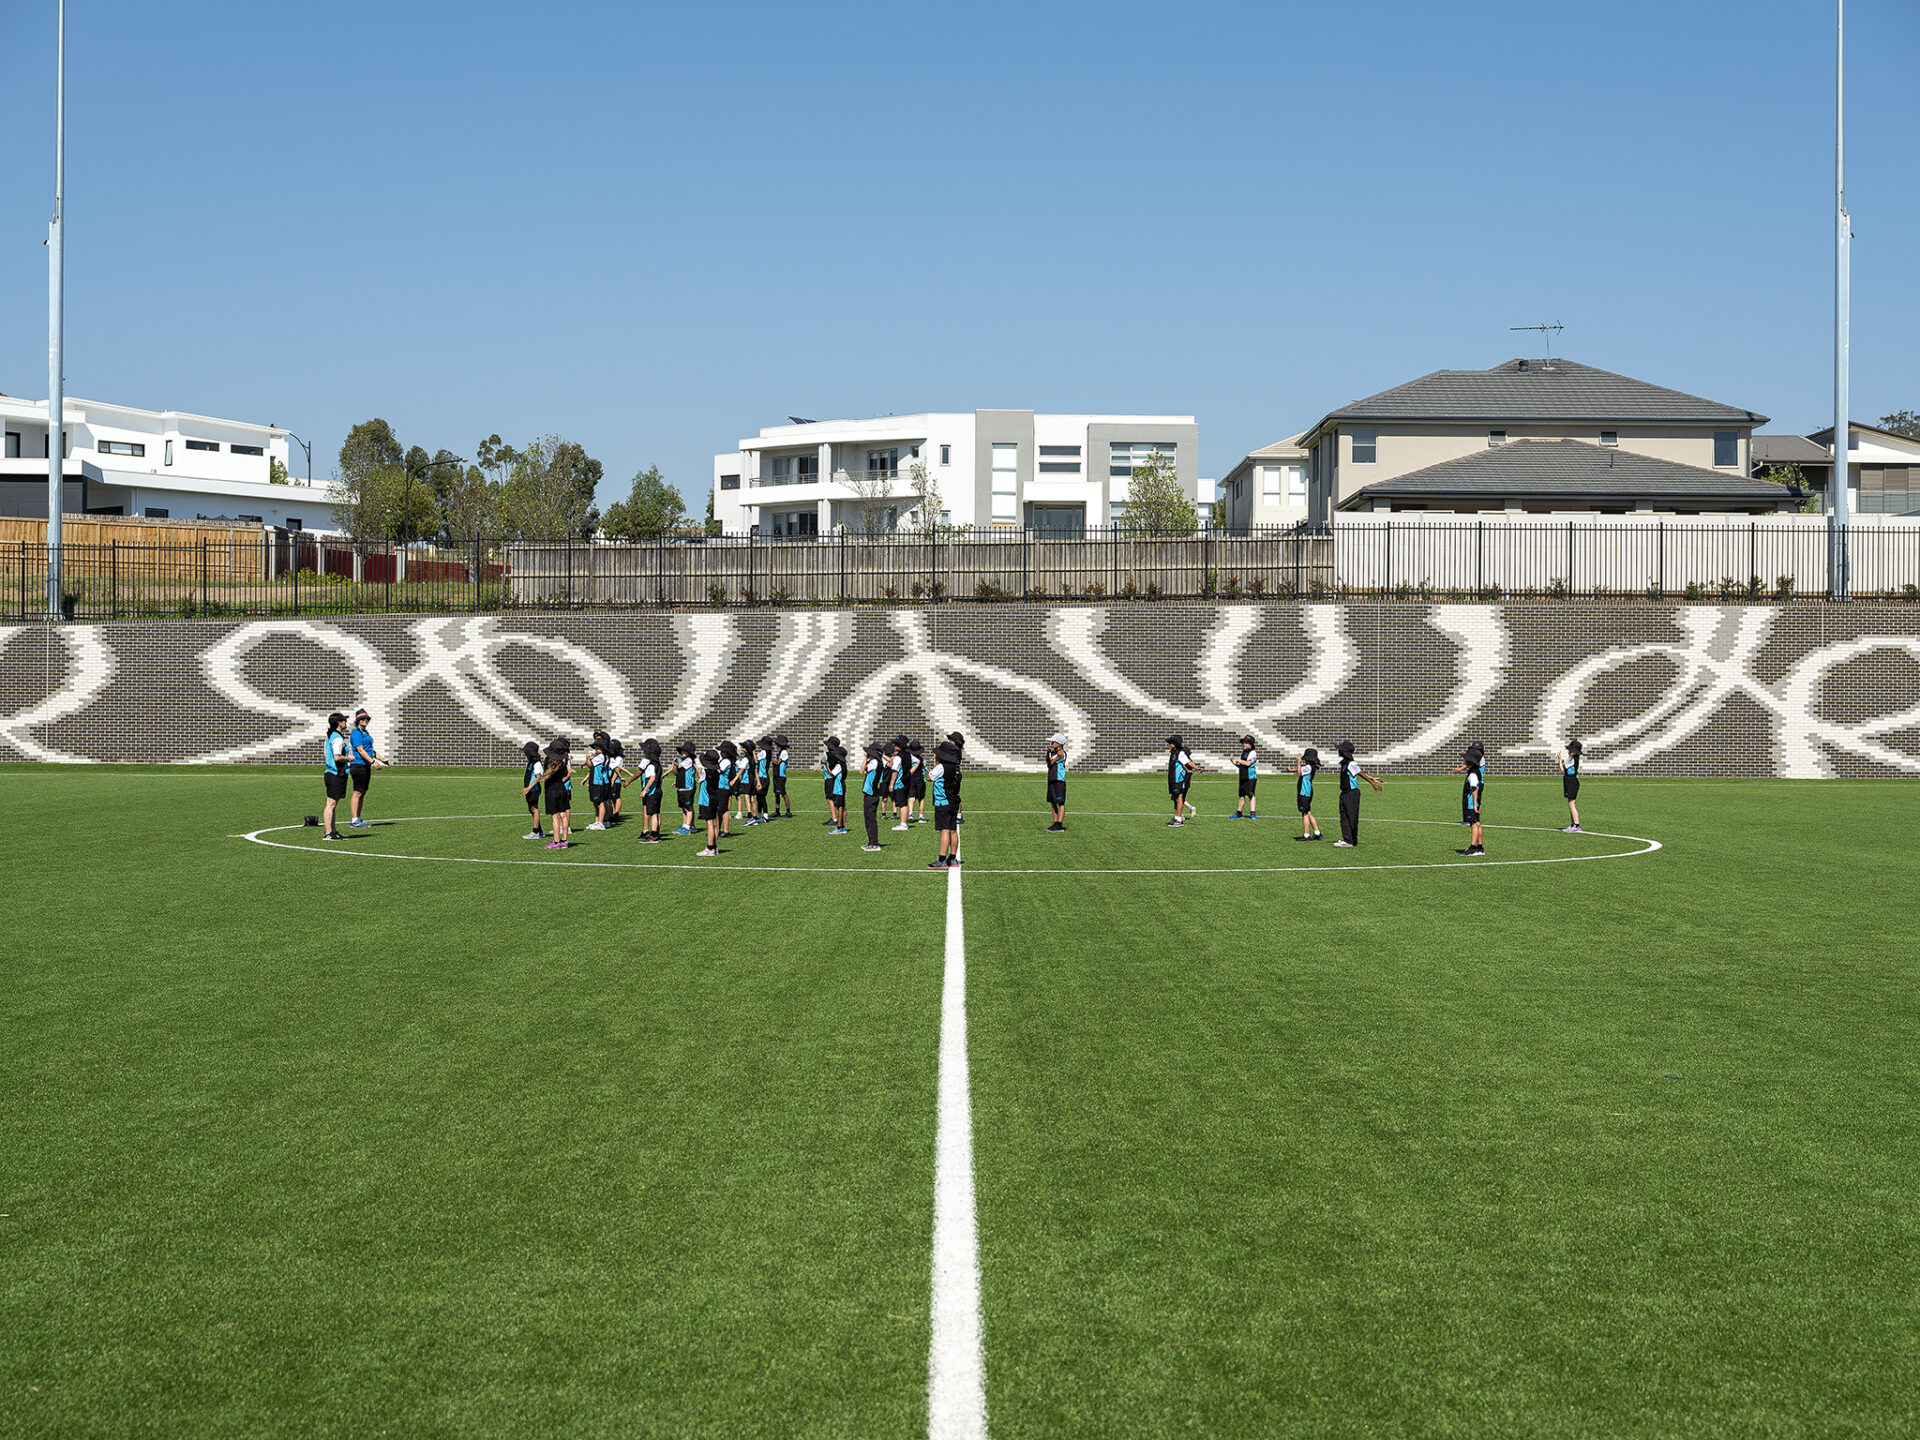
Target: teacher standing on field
<point>362,760</point>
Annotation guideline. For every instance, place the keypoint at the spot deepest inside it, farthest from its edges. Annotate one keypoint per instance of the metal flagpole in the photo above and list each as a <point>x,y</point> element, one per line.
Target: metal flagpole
<point>1838,587</point>
<point>56,324</point>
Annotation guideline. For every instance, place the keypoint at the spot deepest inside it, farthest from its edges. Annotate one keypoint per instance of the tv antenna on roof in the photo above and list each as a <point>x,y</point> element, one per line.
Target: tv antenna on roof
<point>1547,332</point>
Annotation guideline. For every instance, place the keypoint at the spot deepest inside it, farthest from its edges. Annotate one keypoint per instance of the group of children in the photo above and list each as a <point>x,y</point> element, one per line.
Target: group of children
<point>743,784</point>
<point>1473,765</point>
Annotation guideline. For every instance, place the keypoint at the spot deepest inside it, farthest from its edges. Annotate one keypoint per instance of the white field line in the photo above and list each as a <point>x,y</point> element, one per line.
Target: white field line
<point>347,849</point>
<point>956,1357</point>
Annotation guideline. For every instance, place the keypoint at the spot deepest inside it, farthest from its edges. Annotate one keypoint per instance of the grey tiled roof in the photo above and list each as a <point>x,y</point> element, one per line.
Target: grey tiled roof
<point>1551,469</point>
<point>1567,391</point>
<point>1788,450</point>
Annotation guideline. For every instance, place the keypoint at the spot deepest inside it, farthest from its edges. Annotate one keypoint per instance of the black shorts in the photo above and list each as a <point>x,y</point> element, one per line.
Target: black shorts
<point>532,797</point>
<point>650,804</point>
<point>1570,786</point>
<point>900,797</point>
<point>336,784</point>
<point>1472,815</point>
<point>600,794</point>
<point>943,817</point>
<point>917,788</point>
<point>559,797</point>
<point>1246,786</point>
<point>362,777</point>
<point>711,812</point>
<point>1305,803</point>
<point>1056,792</point>
<point>685,797</point>
<point>1177,792</point>
<point>780,786</point>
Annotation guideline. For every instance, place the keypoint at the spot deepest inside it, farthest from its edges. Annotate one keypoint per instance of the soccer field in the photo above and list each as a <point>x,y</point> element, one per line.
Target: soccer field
<point>434,1133</point>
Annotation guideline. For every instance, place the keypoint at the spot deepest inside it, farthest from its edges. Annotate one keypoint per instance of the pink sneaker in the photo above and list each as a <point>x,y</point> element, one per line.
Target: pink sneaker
<point>556,845</point>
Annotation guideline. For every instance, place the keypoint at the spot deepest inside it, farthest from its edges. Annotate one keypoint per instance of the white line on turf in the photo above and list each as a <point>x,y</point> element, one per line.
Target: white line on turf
<point>956,1358</point>
<point>1647,847</point>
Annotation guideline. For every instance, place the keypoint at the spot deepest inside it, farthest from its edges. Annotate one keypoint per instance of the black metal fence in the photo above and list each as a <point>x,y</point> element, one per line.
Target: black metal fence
<point>276,573</point>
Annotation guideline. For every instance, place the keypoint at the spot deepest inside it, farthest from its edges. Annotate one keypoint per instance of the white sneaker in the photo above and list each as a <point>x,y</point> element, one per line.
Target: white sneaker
<point>901,826</point>
<point>533,835</point>
<point>597,825</point>
<point>708,852</point>
<point>871,849</point>
<point>359,825</point>
<point>1569,829</point>
<point>1342,845</point>
<point>1192,809</point>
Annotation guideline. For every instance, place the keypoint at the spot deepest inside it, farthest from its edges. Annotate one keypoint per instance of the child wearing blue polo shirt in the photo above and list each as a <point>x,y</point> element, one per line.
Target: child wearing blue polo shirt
<point>1249,767</point>
<point>556,774</point>
<point>1180,772</point>
<point>1307,767</point>
<point>711,799</point>
<point>530,788</point>
<point>1570,784</point>
<point>686,785</point>
<point>1473,795</point>
<point>336,754</point>
<point>1057,782</point>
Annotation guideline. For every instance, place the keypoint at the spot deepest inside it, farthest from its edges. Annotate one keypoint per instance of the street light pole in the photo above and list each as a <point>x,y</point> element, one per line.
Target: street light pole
<point>1837,587</point>
<point>309,449</point>
<point>56,326</point>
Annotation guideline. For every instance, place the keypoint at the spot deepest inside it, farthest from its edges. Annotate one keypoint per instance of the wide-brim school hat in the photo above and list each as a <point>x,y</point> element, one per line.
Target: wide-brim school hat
<point>1346,749</point>
<point>1246,739</point>
<point>1573,747</point>
<point>781,741</point>
<point>1175,740</point>
<point>531,749</point>
<point>712,757</point>
<point>561,744</point>
<point>958,740</point>
<point>1311,756</point>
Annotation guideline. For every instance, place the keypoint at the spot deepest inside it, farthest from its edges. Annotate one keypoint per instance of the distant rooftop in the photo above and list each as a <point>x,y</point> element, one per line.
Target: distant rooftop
<point>1566,469</point>
<point>1541,390</point>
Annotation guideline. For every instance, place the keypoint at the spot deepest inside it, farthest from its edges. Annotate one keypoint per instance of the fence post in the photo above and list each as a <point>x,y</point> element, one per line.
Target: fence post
<point>113,579</point>
<point>1570,543</point>
<point>747,594</point>
<point>1026,563</point>
<point>843,566</point>
<point>1387,577</point>
<point>1753,551</point>
<point>296,574</point>
<point>203,573</point>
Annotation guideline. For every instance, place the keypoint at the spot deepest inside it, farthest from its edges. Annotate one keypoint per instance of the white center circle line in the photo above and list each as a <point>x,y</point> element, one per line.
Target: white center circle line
<point>1647,847</point>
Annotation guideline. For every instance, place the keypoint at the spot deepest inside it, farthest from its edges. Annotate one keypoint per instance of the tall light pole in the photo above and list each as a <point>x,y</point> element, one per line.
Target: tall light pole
<point>56,324</point>
<point>1837,586</point>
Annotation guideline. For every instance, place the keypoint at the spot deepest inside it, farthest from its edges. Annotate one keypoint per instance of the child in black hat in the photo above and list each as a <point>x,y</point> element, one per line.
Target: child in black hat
<point>916,783</point>
<point>724,787</point>
<point>650,791</point>
<point>782,754</point>
<point>1308,766</point>
<point>1180,770</point>
<point>1473,792</point>
<point>946,759</point>
<point>959,744</point>
<point>686,786</point>
<point>1249,767</point>
<point>1570,783</point>
<point>530,788</point>
<point>1351,775</point>
<point>872,790</point>
<point>556,774</point>
<point>712,800</point>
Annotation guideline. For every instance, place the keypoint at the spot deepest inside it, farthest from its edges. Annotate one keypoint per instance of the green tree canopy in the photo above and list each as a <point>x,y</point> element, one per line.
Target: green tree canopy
<point>1156,504</point>
<point>652,508</point>
<point>1902,422</point>
<point>549,492</point>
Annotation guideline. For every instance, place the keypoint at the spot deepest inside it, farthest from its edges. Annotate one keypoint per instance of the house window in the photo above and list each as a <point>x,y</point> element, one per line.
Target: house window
<point>1726,447</point>
<point>914,452</point>
<point>806,468</point>
<point>946,454</point>
<point>204,445</point>
<point>1116,512</point>
<point>13,444</point>
<point>729,482</point>
<point>1609,437</point>
<point>1270,484</point>
<point>1125,455</point>
<point>1203,511</point>
<point>1296,485</point>
<point>1060,450</point>
<point>246,450</point>
<point>248,519</point>
<point>792,523</point>
<point>1496,437</point>
<point>1006,482</point>
<point>1365,446</point>
<point>154,512</point>
<point>294,522</point>
<point>123,447</point>
<point>169,453</point>
<point>883,462</point>
<point>1059,467</point>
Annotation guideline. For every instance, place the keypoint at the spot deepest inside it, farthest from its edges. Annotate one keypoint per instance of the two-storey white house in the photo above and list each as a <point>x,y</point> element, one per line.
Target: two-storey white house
<point>160,464</point>
<point>1051,474</point>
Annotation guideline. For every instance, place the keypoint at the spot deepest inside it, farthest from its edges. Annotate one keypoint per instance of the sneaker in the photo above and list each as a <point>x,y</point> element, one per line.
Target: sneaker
<point>556,845</point>
<point>534,835</point>
<point>1055,828</point>
<point>1342,845</point>
<point>708,851</point>
<point>597,825</point>
<point>333,835</point>
<point>1318,835</point>
<point>901,826</point>
<point>359,825</point>
<point>838,830</point>
<point>1172,823</point>
<point>940,864</point>
<point>1192,809</point>
<point>1253,815</point>
<point>1304,839</point>
<point>871,849</point>
<point>1236,816</point>
<point>1476,849</point>
<point>953,860</point>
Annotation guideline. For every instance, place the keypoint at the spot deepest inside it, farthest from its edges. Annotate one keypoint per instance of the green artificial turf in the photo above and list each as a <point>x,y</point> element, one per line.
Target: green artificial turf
<point>340,1140</point>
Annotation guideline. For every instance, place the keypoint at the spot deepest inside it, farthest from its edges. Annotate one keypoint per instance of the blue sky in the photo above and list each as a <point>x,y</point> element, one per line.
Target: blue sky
<point>654,229</point>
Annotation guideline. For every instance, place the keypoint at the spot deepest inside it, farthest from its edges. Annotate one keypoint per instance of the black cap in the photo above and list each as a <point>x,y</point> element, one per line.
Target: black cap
<point>333,720</point>
<point>531,749</point>
<point>361,715</point>
<point>1174,740</point>
<point>1246,740</point>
